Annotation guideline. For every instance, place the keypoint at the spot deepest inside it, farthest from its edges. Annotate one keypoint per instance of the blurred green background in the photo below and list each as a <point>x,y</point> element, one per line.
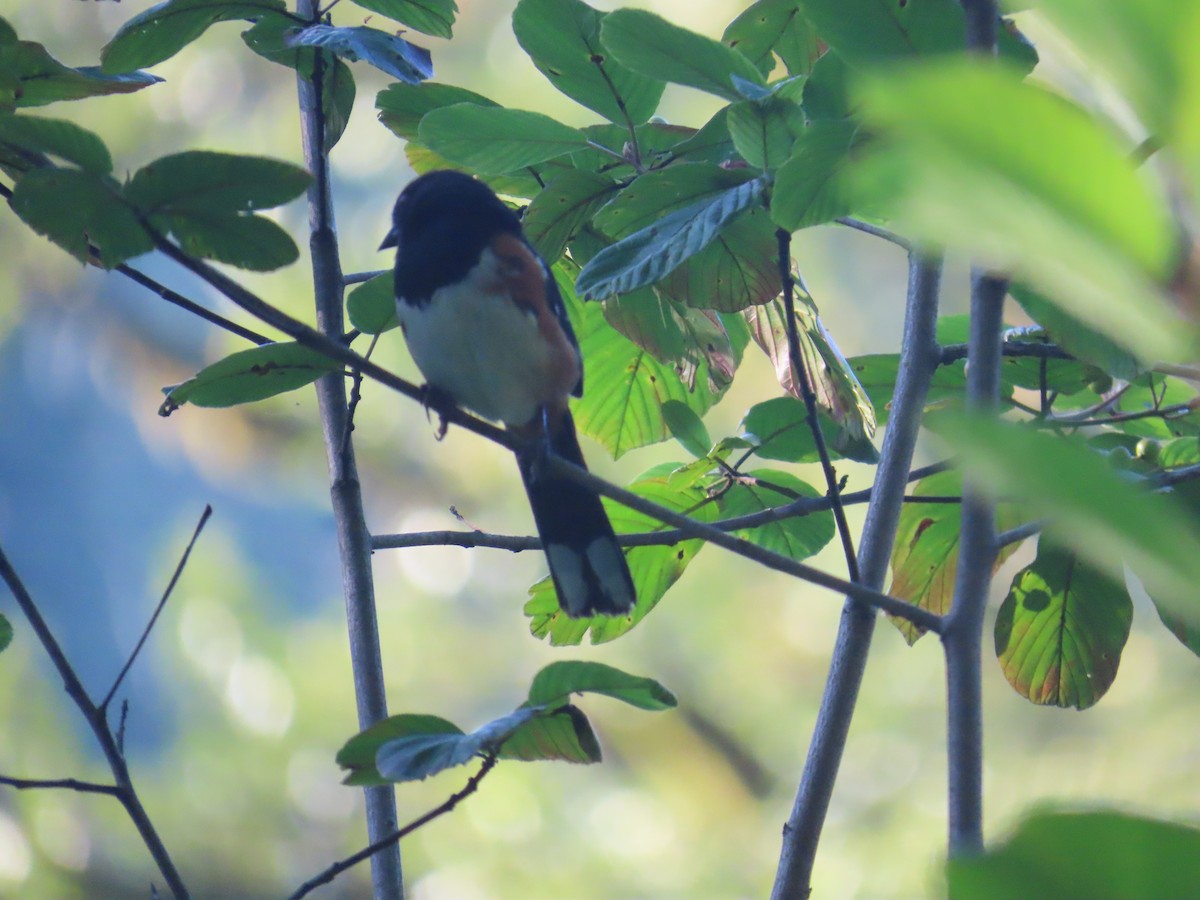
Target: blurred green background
<point>244,693</point>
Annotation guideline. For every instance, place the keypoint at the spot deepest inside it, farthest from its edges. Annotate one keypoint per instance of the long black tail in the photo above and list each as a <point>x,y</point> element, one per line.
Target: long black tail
<point>586,562</point>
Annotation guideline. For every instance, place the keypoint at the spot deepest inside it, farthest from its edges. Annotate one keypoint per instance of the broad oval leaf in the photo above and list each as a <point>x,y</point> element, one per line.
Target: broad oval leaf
<point>493,141</point>
<point>651,45</point>
<point>562,37</point>
<point>555,683</point>
<point>778,429</point>
<point>417,756</point>
<point>1100,855</point>
<point>1077,337</point>
<point>774,25</point>
<point>797,537</point>
<point>208,180</point>
<point>402,105</point>
<point>652,253</point>
<point>358,754</point>
<point>562,207</point>
<point>435,17</point>
<point>83,213</point>
<point>763,131</point>
<point>34,78</point>
<point>250,375</point>
<point>387,52</point>
<point>1088,506</point>
<point>564,734</point>
<point>809,189</point>
<point>56,137</point>
<point>925,553</point>
<point>371,305</point>
<point>687,428</point>
<point>163,30</point>
<point>1061,629</point>
<point>1030,162</point>
<point>247,241</point>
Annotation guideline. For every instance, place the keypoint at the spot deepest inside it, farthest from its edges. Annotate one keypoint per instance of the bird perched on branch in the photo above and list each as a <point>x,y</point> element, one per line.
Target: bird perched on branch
<point>487,327</point>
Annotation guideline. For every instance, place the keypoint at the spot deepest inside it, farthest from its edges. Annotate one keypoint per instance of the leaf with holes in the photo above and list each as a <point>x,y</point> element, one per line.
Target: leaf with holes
<point>1061,629</point>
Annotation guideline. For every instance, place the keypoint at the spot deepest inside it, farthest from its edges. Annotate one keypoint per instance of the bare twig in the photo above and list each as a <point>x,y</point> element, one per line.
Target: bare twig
<point>396,836</point>
<point>98,722</point>
<point>157,610</point>
<point>874,230</point>
<point>801,378</point>
<point>69,784</point>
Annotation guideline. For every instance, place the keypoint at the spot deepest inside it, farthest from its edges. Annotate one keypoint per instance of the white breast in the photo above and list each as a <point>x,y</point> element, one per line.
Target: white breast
<point>481,348</point>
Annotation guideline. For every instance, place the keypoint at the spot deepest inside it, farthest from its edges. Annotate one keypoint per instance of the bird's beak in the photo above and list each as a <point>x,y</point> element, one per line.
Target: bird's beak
<point>391,240</point>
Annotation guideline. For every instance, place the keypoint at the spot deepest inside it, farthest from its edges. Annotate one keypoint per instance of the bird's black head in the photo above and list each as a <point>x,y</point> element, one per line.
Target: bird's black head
<point>440,225</point>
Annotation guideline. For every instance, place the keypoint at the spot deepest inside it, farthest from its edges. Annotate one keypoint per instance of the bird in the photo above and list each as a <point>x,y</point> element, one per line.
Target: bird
<point>486,325</point>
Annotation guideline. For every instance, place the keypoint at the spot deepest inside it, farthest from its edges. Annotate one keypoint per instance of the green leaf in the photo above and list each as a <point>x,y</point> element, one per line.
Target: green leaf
<point>247,241</point>
<point>555,683</point>
<point>492,141</point>
<point>925,554</point>
<point>651,45</point>
<point>564,734</point>
<point>6,633</point>
<point>763,131</point>
<point>1099,855</point>
<point>56,137</point>
<point>711,144</point>
<point>774,25</point>
<point>203,180</point>
<point>689,340</point>
<point>402,106</point>
<point>1076,337</point>
<point>416,757</point>
<point>78,211</point>
<point>654,569</point>
<point>798,537</point>
<point>435,17</point>
<point>386,52</point>
<point>778,429</point>
<point>1144,48</point>
<point>809,189</point>
<point>1089,507</point>
<point>687,428</point>
<point>1061,629</point>
<point>32,77</point>
<point>826,93</point>
<point>250,375</point>
<point>650,254</point>
<point>562,37</point>
<point>1156,392</point>
<point>832,378</point>
<point>371,305</point>
<point>567,202</point>
<point>161,31</point>
<point>868,31</point>
<point>1030,161</point>
<point>628,412</point>
<point>358,753</point>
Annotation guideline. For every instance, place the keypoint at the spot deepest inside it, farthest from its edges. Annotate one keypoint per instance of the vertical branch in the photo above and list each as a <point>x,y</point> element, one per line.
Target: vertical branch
<point>783,238</point>
<point>963,638</point>
<point>918,360</point>
<point>977,545</point>
<point>354,540</point>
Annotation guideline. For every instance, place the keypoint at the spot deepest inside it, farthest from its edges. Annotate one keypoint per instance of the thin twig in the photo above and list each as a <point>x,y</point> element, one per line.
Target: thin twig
<point>359,277</point>
<point>800,377</point>
<point>157,610</point>
<point>98,723</point>
<point>874,230</point>
<point>69,784</point>
<point>452,801</point>
<point>1020,349</point>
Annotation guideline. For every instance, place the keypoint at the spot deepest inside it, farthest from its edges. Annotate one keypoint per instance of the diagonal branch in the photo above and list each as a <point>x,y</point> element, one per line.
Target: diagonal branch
<point>98,722</point>
<point>157,610</point>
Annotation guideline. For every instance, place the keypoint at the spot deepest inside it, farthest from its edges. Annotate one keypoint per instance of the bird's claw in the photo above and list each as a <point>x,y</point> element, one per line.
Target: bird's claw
<point>437,400</point>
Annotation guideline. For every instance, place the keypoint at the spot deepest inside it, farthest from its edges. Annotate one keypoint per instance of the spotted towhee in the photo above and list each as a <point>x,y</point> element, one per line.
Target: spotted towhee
<point>487,327</point>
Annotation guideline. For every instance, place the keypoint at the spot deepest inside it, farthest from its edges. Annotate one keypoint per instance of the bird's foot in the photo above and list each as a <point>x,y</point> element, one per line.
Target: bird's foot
<point>438,401</point>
